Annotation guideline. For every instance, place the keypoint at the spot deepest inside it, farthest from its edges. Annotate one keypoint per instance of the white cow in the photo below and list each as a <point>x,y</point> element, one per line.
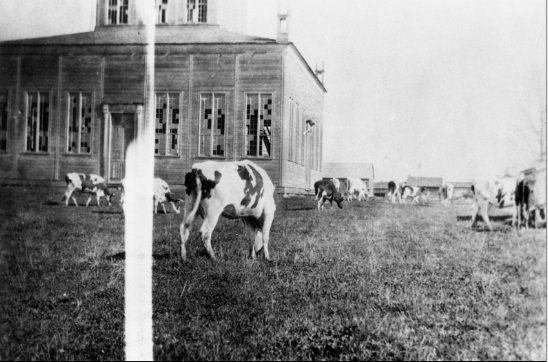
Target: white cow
<point>162,194</point>
<point>235,190</point>
<point>337,184</point>
<point>88,183</point>
<point>356,187</point>
<point>446,192</point>
<point>499,192</point>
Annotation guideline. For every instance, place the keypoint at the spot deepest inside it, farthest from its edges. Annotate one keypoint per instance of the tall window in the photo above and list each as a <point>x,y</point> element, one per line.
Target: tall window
<point>212,124</point>
<point>196,15</point>
<point>37,122</point>
<point>162,11</point>
<point>79,123</point>
<point>3,122</point>
<point>117,12</point>
<point>259,125</point>
<point>202,11</point>
<point>167,124</point>
<point>291,131</point>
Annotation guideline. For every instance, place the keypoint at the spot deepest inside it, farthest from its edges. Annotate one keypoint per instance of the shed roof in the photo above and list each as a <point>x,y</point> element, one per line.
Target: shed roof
<point>425,181</point>
<point>172,34</point>
<point>460,184</point>
<point>347,170</point>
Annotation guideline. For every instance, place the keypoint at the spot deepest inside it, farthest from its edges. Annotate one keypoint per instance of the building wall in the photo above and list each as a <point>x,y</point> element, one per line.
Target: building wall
<point>301,88</point>
<point>117,78</point>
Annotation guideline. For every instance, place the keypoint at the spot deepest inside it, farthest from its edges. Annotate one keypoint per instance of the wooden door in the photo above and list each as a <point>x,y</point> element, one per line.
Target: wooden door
<point>122,133</point>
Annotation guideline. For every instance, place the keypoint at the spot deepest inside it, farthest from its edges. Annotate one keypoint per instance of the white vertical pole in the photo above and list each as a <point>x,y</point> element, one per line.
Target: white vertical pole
<point>138,211</point>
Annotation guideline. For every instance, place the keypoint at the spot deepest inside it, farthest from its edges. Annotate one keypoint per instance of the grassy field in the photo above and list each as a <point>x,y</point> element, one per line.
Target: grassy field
<point>370,281</point>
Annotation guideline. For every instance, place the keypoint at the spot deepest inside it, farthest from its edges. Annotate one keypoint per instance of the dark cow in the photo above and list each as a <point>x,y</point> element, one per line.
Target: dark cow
<point>88,183</point>
<point>521,199</point>
<point>235,190</point>
<point>326,191</point>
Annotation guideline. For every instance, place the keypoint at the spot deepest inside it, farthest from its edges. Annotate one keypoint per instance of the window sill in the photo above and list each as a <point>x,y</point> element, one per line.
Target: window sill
<point>258,158</point>
<point>77,154</point>
<point>167,156</point>
<point>35,154</point>
<point>211,157</point>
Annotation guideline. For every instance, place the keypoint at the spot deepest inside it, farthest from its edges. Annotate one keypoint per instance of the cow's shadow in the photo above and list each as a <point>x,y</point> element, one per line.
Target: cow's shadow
<point>107,212</point>
<point>53,203</point>
<point>159,256</point>
<point>497,218</point>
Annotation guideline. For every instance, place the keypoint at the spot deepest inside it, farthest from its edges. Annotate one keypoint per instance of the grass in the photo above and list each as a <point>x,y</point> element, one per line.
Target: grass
<point>370,281</point>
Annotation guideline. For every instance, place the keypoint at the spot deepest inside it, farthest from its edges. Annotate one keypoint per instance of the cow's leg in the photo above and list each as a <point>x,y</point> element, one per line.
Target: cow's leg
<point>475,215</point>
<point>89,200</point>
<point>186,226</point>
<point>255,243</point>
<point>484,210</point>
<point>210,221</point>
<point>267,223</point>
<point>163,207</point>
<point>68,193</point>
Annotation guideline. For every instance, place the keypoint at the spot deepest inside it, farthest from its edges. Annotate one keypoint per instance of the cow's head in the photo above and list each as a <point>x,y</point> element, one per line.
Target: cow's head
<point>338,199</point>
<point>206,184</point>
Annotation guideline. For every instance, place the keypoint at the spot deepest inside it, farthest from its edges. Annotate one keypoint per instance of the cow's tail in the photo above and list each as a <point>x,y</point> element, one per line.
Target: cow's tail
<point>316,187</point>
<point>193,186</point>
<point>473,190</point>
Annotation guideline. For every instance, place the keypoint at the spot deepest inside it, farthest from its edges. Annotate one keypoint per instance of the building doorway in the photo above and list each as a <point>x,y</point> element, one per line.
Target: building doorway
<point>122,133</point>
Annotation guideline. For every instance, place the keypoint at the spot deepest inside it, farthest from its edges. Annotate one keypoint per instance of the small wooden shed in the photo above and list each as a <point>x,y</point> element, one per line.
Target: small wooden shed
<point>363,171</point>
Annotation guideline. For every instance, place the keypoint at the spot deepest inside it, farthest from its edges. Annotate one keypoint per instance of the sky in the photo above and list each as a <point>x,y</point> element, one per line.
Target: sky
<point>453,88</point>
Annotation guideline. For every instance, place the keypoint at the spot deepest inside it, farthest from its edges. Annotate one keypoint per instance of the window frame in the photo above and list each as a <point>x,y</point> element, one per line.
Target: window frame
<point>244,151</point>
<point>179,127</point>
<point>211,155</point>
<point>161,8</point>
<point>37,138</point>
<point>7,93</point>
<point>67,124</point>
<point>119,6</point>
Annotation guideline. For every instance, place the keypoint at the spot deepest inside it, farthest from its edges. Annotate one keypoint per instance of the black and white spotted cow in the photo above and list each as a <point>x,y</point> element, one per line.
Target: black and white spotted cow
<point>498,192</point>
<point>415,193</point>
<point>394,192</point>
<point>162,194</point>
<point>325,190</point>
<point>235,190</point>
<point>88,183</point>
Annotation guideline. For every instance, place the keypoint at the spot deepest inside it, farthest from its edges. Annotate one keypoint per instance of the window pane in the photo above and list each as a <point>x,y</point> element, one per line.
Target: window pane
<point>113,11</point>
<point>252,117</point>
<point>123,11</point>
<point>190,8</point>
<point>32,120</point>
<point>174,120</point>
<point>85,137</point>
<point>73,123</point>
<point>3,122</point>
<point>266,125</point>
<point>206,120</point>
<point>219,129</point>
<point>161,124</point>
<point>44,122</point>
<point>202,11</point>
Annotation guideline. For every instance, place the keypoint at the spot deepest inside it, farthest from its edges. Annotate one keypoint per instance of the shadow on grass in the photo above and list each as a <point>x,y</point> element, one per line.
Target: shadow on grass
<point>53,203</point>
<point>498,218</point>
<point>299,208</point>
<point>160,256</point>
<point>107,212</point>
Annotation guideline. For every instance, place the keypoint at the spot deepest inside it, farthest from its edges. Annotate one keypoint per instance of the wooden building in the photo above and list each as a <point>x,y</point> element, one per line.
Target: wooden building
<point>74,102</point>
<point>432,184</point>
<point>363,171</point>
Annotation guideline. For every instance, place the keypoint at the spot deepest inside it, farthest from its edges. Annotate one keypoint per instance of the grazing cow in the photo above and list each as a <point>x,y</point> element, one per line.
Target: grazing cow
<point>235,190</point>
<point>498,192</point>
<point>446,193</point>
<point>413,192</point>
<point>537,198</point>
<point>394,192</point>
<point>161,194</point>
<point>521,199</point>
<point>93,184</point>
<point>355,186</point>
<point>326,191</point>
<point>337,184</point>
